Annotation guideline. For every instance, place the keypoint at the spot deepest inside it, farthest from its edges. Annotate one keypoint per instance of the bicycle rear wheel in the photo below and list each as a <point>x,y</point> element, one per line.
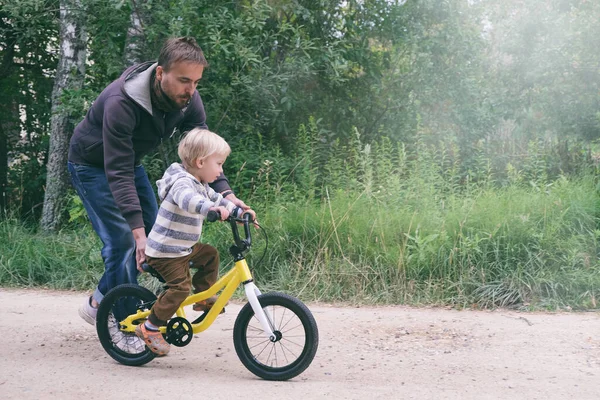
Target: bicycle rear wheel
<point>295,345</point>
<point>118,303</point>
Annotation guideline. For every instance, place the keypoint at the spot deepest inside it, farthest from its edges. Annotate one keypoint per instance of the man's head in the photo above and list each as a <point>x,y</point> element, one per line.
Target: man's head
<point>203,153</point>
<point>180,67</point>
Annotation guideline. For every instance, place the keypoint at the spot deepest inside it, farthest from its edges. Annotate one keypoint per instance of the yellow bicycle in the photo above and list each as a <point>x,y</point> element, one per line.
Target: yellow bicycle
<point>275,335</point>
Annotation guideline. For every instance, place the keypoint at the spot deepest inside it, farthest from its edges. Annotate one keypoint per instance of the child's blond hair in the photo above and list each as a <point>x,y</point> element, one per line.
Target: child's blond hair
<point>199,144</point>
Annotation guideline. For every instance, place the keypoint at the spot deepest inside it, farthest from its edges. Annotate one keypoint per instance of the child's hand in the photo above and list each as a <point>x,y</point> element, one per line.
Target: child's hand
<point>222,210</point>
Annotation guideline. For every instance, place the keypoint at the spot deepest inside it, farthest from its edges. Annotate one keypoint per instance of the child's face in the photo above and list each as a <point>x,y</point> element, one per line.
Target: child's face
<point>210,168</point>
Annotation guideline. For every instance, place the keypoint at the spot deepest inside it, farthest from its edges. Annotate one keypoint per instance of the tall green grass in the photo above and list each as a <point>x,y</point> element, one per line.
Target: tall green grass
<point>382,223</point>
<point>512,246</point>
<point>68,260</point>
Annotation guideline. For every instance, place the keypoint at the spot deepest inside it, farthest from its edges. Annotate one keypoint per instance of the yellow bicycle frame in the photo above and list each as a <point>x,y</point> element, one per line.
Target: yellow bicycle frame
<point>228,283</point>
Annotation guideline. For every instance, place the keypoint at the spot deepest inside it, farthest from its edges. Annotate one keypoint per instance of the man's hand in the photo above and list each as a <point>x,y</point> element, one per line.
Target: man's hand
<point>232,198</point>
<point>251,212</point>
<point>139,235</point>
<point>238,202</point>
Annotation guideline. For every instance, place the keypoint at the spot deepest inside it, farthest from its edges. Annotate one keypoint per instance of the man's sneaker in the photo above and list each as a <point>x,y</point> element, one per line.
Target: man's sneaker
<point>127,342</point>
<point>153,339</point>
<point>113,329</point>
<point>131,344</point>
<point>87,312</point>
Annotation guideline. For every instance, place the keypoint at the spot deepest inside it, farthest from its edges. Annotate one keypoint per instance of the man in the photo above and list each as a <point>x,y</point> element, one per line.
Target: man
<point>129,119</point>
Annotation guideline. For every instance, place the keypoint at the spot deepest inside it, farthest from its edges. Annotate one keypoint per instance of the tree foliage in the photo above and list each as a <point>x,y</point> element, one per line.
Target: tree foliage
<point>465,76</point>
<point>546,64</point>
<point>28,39</point>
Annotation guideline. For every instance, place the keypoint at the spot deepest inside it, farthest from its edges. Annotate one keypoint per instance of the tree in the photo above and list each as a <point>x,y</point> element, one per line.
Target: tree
<point>9,120</point>
<point>428,70</point>
<point>69,77</point>
<point>545,65</point>
<point>26,40</point>
<point>135,39</point>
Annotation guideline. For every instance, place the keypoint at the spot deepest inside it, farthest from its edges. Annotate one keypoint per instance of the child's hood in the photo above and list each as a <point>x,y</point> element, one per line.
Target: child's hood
<point>171,175</point>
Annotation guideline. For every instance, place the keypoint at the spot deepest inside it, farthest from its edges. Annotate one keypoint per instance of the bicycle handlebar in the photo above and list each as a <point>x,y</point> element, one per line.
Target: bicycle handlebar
<point>213,216</point>
<point>241,244</point>
<point>233,219</point>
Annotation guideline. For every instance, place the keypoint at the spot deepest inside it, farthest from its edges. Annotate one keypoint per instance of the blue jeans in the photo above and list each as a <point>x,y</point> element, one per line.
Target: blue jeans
<point>118,252</point>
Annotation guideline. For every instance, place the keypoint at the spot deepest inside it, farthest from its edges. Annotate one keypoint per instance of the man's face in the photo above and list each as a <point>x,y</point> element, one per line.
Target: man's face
<point>179,83</point>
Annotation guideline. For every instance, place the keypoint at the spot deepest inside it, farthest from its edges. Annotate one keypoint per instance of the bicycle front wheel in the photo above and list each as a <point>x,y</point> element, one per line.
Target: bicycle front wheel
<point>296,338</point>
<point>125,347</point>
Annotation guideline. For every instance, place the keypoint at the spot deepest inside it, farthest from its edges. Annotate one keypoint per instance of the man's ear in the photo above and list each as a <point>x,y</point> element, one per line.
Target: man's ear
<point>159,73</point>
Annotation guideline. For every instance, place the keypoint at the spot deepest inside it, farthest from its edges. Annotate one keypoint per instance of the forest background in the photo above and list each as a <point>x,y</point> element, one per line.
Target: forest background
<point>410,152</point>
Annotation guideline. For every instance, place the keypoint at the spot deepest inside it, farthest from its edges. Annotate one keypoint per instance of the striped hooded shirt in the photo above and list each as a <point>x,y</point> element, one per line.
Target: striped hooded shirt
<point>185,202</point>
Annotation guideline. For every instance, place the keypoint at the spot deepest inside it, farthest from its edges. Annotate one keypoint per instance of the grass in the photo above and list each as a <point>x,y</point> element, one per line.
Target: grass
<point>514,246</point>
<point>68,260</point>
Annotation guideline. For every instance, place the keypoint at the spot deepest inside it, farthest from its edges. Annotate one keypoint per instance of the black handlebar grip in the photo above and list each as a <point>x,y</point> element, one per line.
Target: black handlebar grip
<point>213,216</point>
<point>145,267</point>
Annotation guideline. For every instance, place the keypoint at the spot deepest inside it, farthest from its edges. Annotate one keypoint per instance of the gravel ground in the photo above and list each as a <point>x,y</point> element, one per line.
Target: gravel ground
<point>367,352</point>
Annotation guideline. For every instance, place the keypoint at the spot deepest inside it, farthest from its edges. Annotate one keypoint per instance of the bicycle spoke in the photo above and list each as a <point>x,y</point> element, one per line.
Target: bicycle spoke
<point>292,342</point>
<point>292,328</point>
<point>266,342</point>
<point>273,348</point>
<point>283,348</point>
<point>255,329</point>
<point>281,324</point>
<point>281,353</point>
<point>264,348</point>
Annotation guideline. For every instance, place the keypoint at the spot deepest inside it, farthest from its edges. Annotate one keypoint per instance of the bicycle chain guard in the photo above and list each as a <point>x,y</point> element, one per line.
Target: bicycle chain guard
<point>179,332</point>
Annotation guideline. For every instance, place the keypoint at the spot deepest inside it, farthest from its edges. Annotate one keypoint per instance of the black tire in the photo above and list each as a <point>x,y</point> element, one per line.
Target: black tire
<point>296,344</point>
<point>119,302</point>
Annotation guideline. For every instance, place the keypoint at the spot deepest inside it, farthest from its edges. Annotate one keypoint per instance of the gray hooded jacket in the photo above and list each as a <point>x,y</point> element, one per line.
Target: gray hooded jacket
<point>122,126</point>
<point>185,202</point>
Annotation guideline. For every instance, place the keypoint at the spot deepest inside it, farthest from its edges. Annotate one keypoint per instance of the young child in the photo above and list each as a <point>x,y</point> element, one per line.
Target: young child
<point>173,243</point>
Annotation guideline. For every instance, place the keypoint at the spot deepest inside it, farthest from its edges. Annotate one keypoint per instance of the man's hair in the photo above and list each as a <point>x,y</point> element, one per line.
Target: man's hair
<point>199,144</point>
<point>182,49</point>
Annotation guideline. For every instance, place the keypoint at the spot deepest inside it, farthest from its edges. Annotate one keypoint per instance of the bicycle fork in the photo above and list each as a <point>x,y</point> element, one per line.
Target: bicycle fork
<point>264,316</point>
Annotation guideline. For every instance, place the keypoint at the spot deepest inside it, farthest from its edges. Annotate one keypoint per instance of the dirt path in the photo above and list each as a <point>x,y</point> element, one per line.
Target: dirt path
<point>373,353</point>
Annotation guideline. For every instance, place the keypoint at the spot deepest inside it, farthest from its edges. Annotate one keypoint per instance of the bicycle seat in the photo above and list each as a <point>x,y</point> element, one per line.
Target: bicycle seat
<point>147,268</point>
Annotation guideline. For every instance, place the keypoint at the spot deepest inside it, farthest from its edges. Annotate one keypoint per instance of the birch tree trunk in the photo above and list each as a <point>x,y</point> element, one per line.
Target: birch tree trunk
<point>134,42</point>
<point>9,129</point>
<point>8,120</point>
<point>3,170</point>
<point>69,76</point>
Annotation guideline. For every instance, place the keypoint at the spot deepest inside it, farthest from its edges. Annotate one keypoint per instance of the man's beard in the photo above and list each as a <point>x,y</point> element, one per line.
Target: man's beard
<point>164,101</point>
<point>170,100</point>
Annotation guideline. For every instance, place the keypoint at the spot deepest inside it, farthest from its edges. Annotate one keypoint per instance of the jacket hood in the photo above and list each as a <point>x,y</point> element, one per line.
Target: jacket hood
<point>172,175</point>
<point>137,83</point>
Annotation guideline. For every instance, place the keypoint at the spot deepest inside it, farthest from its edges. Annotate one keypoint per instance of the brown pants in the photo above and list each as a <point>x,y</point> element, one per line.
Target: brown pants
<point>176,273</point>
